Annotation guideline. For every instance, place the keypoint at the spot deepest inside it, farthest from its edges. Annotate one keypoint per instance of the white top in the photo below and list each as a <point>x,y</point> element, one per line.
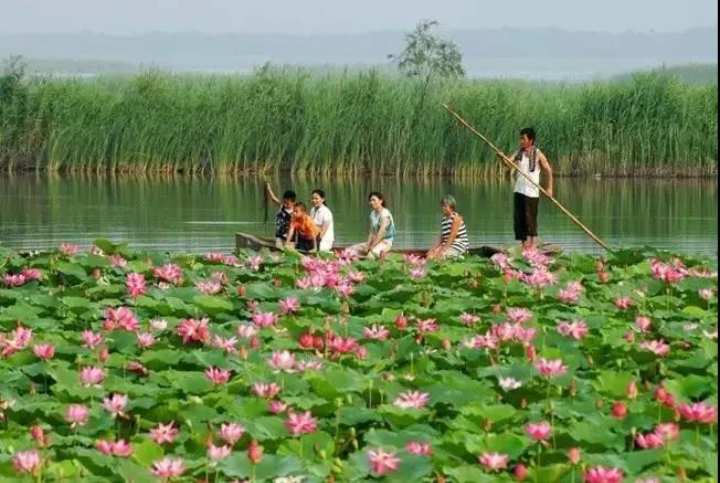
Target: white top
<point>376,220</point>
<point>321,216</point>
<point>522,185</point>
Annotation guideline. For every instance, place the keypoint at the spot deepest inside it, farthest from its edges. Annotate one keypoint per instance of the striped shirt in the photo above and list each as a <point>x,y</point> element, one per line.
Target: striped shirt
<point>461,240</point>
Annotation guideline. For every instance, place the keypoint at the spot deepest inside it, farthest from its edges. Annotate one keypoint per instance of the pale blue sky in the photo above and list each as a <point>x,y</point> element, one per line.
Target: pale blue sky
<point>336,16</point>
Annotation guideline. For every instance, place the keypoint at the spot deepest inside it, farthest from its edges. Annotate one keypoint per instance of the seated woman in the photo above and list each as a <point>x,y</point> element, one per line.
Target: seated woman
<point>453,241</point>
<point>284,214</point>
<point>323,218</point>
<point>382,229</point>
<point>303,234</point>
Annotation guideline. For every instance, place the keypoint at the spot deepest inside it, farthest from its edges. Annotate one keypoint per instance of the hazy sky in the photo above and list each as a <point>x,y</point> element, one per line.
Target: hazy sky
<point>333,16</point>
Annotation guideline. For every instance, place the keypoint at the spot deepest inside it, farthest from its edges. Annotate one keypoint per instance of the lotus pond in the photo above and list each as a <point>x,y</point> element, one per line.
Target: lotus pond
<point>119,365</point>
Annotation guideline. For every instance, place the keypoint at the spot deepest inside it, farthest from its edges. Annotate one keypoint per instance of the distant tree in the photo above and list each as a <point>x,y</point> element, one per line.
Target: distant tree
<point>427,56</point>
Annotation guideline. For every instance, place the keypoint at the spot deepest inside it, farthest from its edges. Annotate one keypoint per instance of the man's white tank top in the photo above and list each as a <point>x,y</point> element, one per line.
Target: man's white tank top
<point>522,185</point>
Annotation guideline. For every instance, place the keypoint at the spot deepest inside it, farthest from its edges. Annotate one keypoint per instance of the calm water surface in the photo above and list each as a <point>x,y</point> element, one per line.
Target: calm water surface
<point>201,214</point>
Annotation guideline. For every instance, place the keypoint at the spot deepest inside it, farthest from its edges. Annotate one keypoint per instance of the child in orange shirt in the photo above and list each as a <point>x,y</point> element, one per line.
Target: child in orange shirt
<point>303,230</point>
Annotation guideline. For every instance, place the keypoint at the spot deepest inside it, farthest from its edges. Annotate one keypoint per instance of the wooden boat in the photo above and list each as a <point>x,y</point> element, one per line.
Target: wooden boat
<point>257,243</point>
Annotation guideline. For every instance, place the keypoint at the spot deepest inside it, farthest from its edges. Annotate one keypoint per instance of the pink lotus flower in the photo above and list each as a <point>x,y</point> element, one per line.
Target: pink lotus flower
<point>508,383</point>
<point>550,368</point>
<point>246,331</point>
<point>92,376</point>
<point>356,277</point>
<point>623,303</point>
<point>168,468</point>
<point>657,347</point>
<point>145,340</point>
<point>14,280</point>
<point>502,261</point>
<point>120,448</point>
<point>487,341</point>
<point>225,344</point>
<point>69,249</point>
<point>192,330</point>
<point>535,257</point>
<point>19,340</point>
<point>44,351</point>
<point>115,405</point>
<point>27,462</point>
<point>32,274</point>
<point>699,413</point>
<point>427,325</point>
<point>231,260</point>
<point>277,407</point>
<point>417,273</point>
<point>208,287</point>
<point>267,391</point>
<point>121,318</point>
<point>601,474</point>
<point>650,440</point>
<point>540,277</point>
<point>282,361</point>
<point>217,376</point>
<point>345,290</point>
<point>469,319</point>
<point>643,324</point>
<point>263,320</point>
<point>668,273</point>
<point>301,423</point>
<point>631,391</point>
<point>164,433</point>
<point>309,365</point>
<point>91,340</point>
<point>118,261</point>
<point>339,345</point>
<point>493,461</point>
<point>668,431</point>
<point>217,453</point>
<point>706,294</point>
<point>254,262</point>
<point>169,273</point>
<point>574,455</point>
<point>231,433</point>
<point>415,260</point>
<point>382,463</point>
<point>77,415</point>
<point>376,332</point>
<point>571,293</point>
<point>214,257</point>
<point>412,399</point>
<point>539,431</point>
<point>252,306</point>
<point>290,305</point>
<point>219,277</point>
<point>577,329</point>
<point>519,316</point>
<point>419,448</point>
<point>135,284</point>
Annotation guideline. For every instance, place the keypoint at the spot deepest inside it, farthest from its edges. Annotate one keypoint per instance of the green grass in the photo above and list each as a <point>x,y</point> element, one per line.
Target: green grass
<point>648,125</point>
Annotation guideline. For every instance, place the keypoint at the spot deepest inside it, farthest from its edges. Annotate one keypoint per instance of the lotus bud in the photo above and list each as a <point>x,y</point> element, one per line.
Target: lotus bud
<point>632,390</point>
<point>241,290</point>
<point>401,322</point>
<point>520,472</point>
<point>574,455</point>
<point>254,452</point>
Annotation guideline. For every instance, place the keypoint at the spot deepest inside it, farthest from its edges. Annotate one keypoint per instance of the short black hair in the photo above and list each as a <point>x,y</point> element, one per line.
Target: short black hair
<point>290,196</point>
<point>378,196</point>
<point>529,132</point>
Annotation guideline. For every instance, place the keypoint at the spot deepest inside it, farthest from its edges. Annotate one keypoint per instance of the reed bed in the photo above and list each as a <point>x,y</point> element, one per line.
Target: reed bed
<point>281,120</point>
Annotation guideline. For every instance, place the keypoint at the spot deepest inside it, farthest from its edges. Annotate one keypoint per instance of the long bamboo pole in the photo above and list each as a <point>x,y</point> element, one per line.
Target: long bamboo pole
<point>512,165</point>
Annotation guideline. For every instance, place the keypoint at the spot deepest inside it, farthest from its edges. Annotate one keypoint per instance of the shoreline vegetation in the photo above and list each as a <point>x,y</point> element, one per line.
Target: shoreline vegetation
<point>281,120</point>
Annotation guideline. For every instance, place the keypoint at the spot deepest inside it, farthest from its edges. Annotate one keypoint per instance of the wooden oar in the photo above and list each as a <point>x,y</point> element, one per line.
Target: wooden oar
<point>511,164</point>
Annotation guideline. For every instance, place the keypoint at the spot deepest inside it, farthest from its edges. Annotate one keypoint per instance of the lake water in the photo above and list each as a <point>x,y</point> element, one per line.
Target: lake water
<point>202,214</point>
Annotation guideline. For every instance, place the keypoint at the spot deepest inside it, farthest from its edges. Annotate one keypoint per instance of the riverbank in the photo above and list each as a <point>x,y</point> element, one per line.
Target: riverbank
<point>285,121</point>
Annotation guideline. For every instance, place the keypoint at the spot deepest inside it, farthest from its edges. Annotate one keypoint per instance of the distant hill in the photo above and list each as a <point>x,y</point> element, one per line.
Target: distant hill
<point>534,53</point>
<point>689,73</point>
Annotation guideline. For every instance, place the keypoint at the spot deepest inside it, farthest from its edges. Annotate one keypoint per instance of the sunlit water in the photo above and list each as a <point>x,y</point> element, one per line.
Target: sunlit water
<point>202,214</point>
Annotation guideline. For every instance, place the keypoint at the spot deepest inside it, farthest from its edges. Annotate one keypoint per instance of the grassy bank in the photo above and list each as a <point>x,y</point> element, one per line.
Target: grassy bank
<point>648,125</point>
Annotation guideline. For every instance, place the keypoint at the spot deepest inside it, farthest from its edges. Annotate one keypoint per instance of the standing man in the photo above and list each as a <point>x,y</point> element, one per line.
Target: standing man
<point>530,161</point>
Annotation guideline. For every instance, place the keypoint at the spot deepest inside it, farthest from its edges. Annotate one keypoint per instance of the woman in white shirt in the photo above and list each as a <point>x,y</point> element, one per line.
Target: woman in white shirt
<point>323,218</point>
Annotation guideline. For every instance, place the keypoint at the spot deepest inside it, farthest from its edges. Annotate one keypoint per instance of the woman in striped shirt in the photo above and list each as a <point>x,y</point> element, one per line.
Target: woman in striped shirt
<point>453,241</point>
